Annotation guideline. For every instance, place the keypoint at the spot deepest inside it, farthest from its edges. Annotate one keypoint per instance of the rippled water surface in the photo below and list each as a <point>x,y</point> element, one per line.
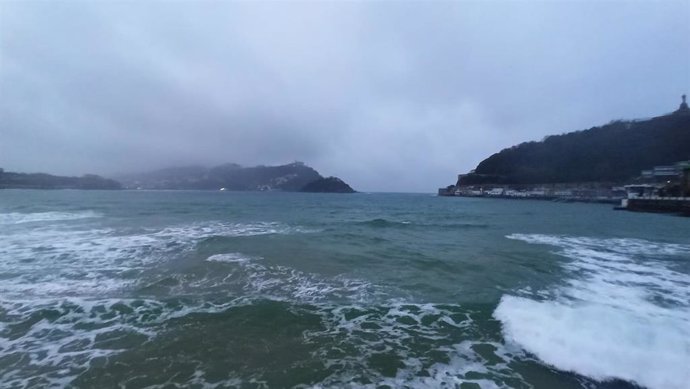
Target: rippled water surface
<point>212,289</point>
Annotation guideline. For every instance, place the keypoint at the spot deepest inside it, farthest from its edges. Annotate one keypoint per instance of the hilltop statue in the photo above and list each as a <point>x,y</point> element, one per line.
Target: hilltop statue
<point>683,107</point>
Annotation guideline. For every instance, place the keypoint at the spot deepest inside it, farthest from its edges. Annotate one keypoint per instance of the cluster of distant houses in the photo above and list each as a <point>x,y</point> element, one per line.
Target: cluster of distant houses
<point>563,192</point>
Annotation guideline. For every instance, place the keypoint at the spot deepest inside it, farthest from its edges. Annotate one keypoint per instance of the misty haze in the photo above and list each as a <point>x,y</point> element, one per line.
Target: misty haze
<point>332,194</point>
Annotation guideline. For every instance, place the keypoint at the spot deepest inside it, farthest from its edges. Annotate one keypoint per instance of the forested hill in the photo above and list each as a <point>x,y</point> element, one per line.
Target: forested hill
<point>615,152</point>
<point>290,177</point>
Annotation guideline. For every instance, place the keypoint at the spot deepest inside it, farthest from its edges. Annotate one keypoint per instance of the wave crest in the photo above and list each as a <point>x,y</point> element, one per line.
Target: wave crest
<point>623,314</point>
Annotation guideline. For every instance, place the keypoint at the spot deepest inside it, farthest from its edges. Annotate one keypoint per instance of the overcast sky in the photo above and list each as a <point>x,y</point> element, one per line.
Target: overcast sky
<point>388,96</point>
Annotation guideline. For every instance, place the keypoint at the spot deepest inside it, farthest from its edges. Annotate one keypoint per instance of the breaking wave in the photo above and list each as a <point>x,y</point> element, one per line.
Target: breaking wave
<point>623,314</point>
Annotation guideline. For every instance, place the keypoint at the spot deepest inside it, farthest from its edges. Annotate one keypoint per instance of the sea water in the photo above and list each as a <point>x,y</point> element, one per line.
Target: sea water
<point>167,289</point>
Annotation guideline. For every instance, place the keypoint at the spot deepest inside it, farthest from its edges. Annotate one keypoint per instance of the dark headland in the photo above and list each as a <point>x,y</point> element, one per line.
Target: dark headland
<point>293,177</point>
<point>594,164</point>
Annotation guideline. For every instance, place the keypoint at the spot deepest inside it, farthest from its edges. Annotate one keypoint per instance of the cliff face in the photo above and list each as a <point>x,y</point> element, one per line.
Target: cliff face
<point>291,177</point>
<point>614,152</point>
<point>10,180</point>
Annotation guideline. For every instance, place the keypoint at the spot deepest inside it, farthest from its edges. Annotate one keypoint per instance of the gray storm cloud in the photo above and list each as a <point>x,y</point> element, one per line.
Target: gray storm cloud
<point>389,96</point>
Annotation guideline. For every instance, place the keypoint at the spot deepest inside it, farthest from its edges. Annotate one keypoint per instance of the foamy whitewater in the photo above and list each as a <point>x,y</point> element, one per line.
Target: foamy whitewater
<point>624,313</point>
<point>221,290</point>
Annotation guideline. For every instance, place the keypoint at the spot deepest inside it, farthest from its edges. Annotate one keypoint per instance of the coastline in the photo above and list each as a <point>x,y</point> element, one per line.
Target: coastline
<point>557,199</point>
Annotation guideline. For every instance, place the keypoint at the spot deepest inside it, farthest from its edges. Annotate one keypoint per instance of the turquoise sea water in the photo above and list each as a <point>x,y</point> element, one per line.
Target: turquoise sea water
<point>214,289</point>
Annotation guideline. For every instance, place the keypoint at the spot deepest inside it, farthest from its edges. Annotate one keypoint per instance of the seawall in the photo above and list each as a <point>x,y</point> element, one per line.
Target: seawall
<point>678,205</point>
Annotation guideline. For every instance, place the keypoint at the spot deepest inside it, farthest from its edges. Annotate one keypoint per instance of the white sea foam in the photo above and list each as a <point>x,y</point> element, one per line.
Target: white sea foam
<point>70,260</point>
<point>229,258</point>
<point>288,284</point>
<point>369,322</point>
<point>414,335</point>
<point>44,264</point>
<point>61,348</point>
<point>283,283</point>
<point>56,301</point>
<point>72,332</point>
<point>623,313</point>
<point>18,218</point>
<point>62,344</point>
<point>465,366</point>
